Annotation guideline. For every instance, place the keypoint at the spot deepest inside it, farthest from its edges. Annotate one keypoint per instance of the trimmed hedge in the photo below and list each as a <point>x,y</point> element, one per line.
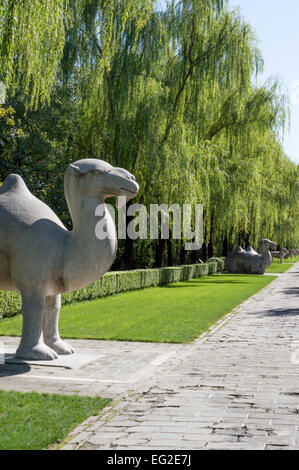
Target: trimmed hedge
<point>220,263</point>
<point>115,282</point>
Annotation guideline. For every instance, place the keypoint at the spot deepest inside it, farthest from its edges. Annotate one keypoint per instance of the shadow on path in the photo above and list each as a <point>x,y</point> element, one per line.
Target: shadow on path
<point>278,312</point>
<point>291,291</point>
<point>7,369</point>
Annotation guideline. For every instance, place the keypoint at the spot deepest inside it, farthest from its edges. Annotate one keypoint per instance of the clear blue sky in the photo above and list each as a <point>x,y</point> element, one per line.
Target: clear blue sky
<point>276,23</point>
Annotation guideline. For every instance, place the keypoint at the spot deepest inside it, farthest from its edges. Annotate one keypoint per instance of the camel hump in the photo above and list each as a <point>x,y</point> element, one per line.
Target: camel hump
<point>13,183</point>
<point>238,250</point>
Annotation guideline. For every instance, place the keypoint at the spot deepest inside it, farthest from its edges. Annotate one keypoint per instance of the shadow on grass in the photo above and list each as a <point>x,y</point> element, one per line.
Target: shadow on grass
<point>198,284</point>
<point>213,280</point>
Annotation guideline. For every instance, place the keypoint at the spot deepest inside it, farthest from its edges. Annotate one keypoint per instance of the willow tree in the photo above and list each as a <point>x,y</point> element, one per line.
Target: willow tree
<point>59,50</point>
<point>169,95</point>
<point>211,60</point>
<point>244,128</point>
<point>32,35</point>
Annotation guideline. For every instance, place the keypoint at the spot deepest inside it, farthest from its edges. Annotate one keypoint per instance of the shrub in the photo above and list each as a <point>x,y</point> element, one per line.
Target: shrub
<point>220,263</point>
<point>10,303</point>
<point>120,281</point>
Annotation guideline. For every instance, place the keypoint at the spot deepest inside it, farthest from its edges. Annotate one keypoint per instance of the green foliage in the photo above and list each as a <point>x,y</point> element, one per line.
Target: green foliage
<point>178,107</point>
<point>10,303</point>
<point>32,35</point>
<point>170,95</point>
<point>220,263</point>
<point>33,421</point>
<point>37,147</point>
<point>115,282</point>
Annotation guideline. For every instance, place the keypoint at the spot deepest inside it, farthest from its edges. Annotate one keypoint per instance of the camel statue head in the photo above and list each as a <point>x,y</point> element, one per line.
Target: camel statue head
<point>88,182</point>
<point>266,244</point>
<point>98,179</point>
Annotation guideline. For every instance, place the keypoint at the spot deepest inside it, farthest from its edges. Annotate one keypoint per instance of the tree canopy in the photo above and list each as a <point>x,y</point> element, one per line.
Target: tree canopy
<point>169,94</point>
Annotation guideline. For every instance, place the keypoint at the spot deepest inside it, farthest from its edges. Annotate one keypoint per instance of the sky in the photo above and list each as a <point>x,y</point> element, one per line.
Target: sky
<point>276,25</point>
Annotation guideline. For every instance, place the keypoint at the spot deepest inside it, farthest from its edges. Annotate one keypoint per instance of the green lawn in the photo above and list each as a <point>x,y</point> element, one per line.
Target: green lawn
<point>31,421</point>
<point>277,268</point>
<point>175,313</point>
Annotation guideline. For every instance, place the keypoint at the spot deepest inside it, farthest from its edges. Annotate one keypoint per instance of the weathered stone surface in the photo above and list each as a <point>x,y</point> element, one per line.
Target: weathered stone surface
<point>249,261</point>
<point>280,254</point>
<point>41,258</point>
<point>236,388</point>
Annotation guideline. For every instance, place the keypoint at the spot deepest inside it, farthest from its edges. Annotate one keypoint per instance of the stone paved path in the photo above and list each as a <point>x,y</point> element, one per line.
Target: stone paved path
<point>236,388</point>
<point>102,368</point>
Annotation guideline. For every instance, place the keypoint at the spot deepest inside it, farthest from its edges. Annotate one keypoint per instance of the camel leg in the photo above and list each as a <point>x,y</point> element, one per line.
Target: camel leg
<point>32,345</point>
<point>50,327</point>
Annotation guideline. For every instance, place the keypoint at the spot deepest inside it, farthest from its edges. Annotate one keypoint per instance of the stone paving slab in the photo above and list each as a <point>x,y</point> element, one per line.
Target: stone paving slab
<point>74,361</point>
<point>235,388</point>
<point>105,368</point>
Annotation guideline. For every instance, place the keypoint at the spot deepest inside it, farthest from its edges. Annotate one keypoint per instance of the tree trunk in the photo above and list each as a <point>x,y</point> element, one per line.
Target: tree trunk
<point>126,261</point>
<point>247,238</point>
<point>159,257</point>
<point>183,254</point>
<point>240,239</point>
<point>204,252</point>
<point>169,252</point>
<point>194,256</point>
<point>225,246</point>
<point>210,249</point>
<point>210,245</point>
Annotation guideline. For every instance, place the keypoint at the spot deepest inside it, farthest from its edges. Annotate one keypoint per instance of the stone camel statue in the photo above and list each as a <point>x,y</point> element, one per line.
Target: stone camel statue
<point>249,261</point>
<point>41,259</point>
<point>291,253</point>
<point>280,254</point>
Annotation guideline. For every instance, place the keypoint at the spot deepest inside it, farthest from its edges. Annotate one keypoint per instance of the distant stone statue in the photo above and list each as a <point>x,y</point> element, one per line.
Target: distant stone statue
<point>280,254</point>
<point>41,258</point>
<point>249,261</point>
<point>291,253</point>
